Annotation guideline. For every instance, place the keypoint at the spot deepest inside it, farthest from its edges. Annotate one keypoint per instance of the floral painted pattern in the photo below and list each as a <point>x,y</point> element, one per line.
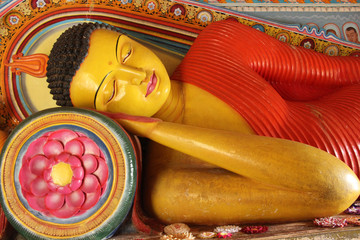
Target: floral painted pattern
<point>151,6</point>
<point>125,2</point>
<point>13,19</point>
<point>63,174</point>
<point>40,3</point>
<point>281,1</point>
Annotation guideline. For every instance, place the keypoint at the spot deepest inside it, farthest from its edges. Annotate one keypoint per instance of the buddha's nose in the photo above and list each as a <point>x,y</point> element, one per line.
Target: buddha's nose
<point>135,75</point>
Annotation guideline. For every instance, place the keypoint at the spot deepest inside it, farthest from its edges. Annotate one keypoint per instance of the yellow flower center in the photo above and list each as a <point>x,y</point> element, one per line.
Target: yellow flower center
<point>61,174</point>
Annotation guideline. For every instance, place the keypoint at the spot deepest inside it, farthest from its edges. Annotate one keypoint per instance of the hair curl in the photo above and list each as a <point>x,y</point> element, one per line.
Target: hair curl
<point>68,52</point>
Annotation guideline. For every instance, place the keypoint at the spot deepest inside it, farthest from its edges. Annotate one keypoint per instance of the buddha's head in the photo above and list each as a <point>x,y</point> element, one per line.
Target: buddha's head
<point>95,66</point>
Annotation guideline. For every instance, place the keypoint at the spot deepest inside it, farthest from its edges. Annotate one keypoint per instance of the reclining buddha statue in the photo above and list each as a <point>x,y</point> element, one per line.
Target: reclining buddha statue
<point>246,129</point>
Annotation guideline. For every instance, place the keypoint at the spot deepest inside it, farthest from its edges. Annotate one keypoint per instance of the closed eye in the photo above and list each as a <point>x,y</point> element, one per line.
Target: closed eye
<point>126,56</point>
<point>97,90</point>
<point>126,52</point>
<point>113,92</point>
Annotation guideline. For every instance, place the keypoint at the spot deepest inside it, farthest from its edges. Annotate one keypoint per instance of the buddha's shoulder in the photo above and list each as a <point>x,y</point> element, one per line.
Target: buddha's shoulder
<point>204,109</point>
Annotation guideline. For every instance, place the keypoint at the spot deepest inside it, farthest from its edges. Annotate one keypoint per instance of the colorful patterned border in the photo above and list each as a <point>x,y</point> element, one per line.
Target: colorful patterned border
<point>253,5</point>
<point>290,5</point>
<point>180,13</point>
<point>289,2</point>
<point>7,5</point>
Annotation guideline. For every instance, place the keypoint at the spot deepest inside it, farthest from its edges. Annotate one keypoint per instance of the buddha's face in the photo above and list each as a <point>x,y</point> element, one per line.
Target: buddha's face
<point>120,75</point>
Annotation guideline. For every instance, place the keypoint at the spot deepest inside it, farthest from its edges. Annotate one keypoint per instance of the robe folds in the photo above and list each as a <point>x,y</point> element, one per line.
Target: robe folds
<point>282,91</point>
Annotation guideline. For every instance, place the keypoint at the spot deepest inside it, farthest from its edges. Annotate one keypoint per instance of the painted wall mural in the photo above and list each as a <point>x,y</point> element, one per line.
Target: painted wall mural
<point>333,16</point>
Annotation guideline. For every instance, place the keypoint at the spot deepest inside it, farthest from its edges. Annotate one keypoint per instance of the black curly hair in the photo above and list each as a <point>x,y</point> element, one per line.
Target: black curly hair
<point>68,52</point>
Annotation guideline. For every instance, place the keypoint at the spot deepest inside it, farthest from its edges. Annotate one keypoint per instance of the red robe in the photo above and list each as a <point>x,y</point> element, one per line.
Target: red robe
<point>282,91</point>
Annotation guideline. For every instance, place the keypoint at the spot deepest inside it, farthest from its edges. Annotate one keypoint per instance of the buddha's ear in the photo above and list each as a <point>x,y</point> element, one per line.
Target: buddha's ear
<point>34,64</point>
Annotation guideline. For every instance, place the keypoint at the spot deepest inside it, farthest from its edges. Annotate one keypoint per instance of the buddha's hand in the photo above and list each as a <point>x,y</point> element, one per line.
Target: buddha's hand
<point>138,125</point>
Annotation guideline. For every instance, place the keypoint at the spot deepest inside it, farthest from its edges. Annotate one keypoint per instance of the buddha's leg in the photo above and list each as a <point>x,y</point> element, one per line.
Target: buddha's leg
<point>216,196</point>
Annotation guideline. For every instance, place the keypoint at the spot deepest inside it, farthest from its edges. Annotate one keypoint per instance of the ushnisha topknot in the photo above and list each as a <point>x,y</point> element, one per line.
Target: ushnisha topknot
<point>68,52</point>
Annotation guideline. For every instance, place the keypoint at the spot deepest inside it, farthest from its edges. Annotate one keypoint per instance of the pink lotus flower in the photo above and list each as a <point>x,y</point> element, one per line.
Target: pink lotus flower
<point>63,174</point>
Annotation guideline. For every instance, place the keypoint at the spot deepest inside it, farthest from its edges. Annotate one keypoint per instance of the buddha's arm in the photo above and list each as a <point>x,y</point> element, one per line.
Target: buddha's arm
<point>280,62</point>
<point>302,74</point>
<point>295,72</point>
<point>281,163</point>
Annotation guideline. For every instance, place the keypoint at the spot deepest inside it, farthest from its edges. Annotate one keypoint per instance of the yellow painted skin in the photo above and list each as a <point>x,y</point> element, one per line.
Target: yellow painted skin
<point>205,165</point>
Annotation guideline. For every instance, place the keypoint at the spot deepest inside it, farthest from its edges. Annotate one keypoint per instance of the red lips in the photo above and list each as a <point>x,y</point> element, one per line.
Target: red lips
<point>152,84</point>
